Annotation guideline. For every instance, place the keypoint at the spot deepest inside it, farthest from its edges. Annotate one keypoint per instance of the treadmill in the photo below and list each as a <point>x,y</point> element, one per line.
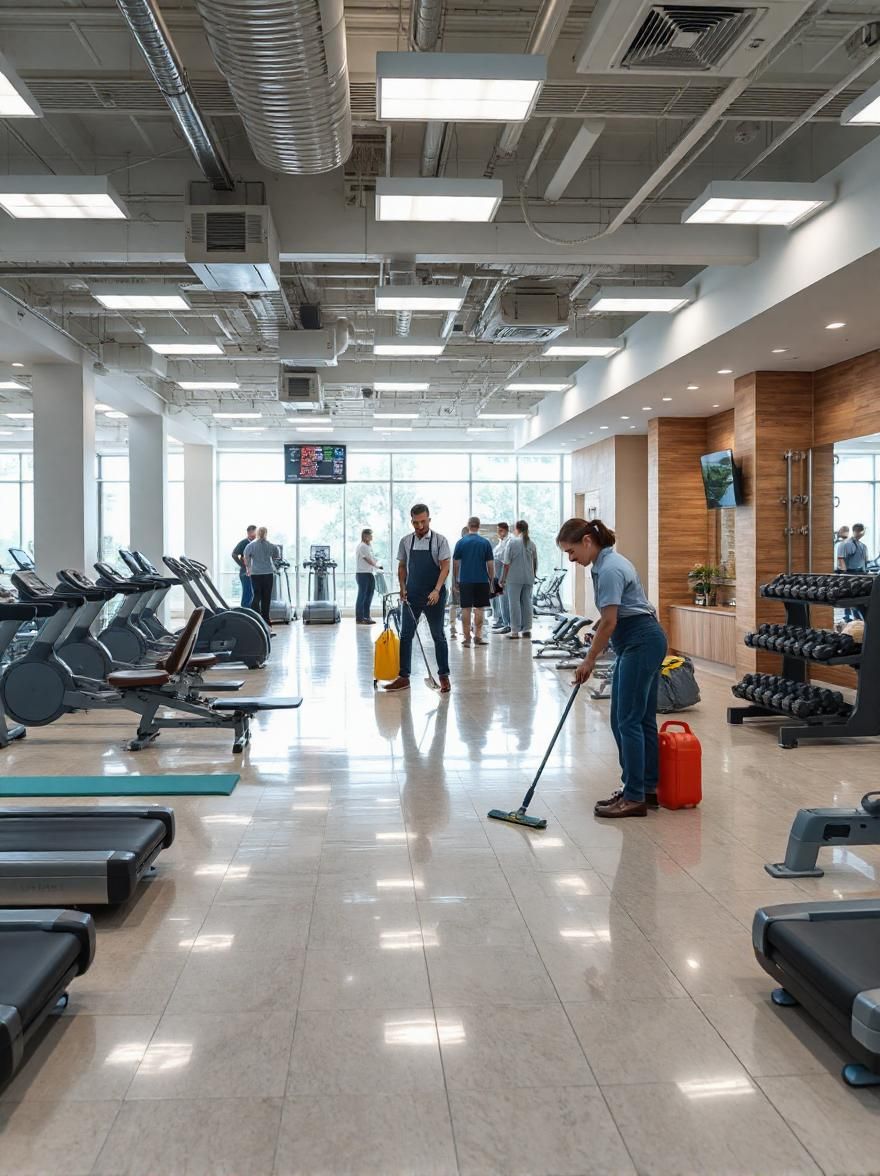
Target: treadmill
<point>40,953</point>
<point>79,856</point>
<point>826,956</point>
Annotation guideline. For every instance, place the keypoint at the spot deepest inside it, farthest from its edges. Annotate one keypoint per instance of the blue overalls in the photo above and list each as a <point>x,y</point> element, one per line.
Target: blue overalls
<point>421,579</point>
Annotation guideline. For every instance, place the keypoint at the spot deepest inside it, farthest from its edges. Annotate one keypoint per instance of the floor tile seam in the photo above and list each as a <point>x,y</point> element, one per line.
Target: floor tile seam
<point>791,1126</point>
<point>302,978</point>
<point>95,1167</point>
<point>446,1091</point>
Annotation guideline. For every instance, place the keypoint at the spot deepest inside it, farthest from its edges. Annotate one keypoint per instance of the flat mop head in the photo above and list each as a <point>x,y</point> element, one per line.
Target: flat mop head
<point>518,817</point>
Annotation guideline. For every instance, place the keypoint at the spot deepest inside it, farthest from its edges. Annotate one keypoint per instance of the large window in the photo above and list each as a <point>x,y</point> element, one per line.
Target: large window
<point>857,493</point>
<point>381,489</point>
<point>113,513</point>
<point>16,505</point>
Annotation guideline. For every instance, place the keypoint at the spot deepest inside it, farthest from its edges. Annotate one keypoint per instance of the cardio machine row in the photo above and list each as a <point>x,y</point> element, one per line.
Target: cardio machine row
<point>66,669</point>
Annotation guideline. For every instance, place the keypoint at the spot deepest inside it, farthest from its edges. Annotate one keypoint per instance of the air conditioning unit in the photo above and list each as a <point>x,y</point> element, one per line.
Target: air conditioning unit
<point>312,349</point>
<point>523,317</point>
<point>300,387</point>
<point>232,247</point>
<point>725,38</point>
<point>134,358</point>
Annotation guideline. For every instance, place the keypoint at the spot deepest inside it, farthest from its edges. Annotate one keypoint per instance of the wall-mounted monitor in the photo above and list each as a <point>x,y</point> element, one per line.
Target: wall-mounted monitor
<point>722,480</point>
<point>314,465</point>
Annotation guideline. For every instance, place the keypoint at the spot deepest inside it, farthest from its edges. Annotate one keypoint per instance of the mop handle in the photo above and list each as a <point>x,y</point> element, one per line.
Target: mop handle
<point>527,800</point>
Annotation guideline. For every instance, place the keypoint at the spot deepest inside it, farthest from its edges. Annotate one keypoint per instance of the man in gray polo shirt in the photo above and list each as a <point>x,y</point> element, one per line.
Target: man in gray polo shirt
<point>422,569</point>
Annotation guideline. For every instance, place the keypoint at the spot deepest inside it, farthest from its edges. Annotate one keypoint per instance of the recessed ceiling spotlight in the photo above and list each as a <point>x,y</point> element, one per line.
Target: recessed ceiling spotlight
<point>693,387</point>
<point>725,371</point>
<point>779,350</point>
<point>632,426</point>
<point>834,326</point>
<point>624,418</point>
<point>603,426</point>
<point>646,408</point>
<point>666,399</point>
<point>18,365</point>
<point>716,405</point>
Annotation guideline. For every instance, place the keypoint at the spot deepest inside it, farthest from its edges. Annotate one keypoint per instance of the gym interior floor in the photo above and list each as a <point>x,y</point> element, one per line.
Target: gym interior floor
<point>343,967</point>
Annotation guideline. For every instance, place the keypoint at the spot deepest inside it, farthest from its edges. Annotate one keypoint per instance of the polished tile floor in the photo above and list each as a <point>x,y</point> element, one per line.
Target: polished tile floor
<point>343,968</point>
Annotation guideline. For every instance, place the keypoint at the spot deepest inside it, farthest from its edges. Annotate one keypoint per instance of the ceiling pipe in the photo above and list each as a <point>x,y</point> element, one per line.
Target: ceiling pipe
<point>154,41</point>
<point>545,33</point>
<point>286,65</point>
<point>402,274</point>
<point>427,21</point>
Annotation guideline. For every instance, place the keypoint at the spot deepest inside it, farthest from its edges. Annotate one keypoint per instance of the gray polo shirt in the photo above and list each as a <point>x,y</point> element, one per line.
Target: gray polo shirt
<point>616,581</point>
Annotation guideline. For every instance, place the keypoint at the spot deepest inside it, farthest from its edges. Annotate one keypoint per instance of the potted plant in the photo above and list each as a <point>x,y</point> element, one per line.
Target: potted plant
<point>702,579</point>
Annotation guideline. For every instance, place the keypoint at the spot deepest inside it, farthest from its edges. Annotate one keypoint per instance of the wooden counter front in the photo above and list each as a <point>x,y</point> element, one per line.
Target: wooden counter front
<point>708,633</point>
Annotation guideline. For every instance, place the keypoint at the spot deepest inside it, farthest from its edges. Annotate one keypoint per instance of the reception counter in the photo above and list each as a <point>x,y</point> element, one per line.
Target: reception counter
<point>708,633</point>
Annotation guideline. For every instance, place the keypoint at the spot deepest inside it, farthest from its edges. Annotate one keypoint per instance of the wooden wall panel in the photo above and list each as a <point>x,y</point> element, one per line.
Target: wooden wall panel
<point>773,414</point>
<point>846,399</point>
<point>678,518</point>
<point>593,475</point>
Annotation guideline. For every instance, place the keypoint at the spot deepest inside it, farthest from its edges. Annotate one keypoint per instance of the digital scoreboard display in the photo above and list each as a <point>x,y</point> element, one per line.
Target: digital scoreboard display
<point>314,465</point>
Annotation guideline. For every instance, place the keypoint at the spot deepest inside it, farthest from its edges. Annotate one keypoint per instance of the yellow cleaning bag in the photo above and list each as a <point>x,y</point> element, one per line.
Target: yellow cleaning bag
<point>386,657</point>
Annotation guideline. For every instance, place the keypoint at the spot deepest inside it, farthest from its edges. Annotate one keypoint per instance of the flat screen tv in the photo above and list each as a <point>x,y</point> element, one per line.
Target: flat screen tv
<point>314,465</point>
<point>722,480</point>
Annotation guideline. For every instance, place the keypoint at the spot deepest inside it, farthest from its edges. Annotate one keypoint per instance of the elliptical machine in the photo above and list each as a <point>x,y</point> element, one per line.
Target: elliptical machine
<point>241,633</point>
<point>321,608</point>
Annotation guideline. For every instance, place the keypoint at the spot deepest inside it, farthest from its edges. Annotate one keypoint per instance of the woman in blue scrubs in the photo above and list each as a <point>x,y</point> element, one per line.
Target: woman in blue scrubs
<point>629,622</point>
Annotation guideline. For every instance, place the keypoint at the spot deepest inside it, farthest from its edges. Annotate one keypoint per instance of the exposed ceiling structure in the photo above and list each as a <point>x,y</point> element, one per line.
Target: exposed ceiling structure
<point>643,106</point>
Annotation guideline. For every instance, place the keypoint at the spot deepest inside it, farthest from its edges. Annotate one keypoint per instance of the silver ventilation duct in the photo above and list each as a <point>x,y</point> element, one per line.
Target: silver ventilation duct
<point>427,19</point>
<point>154,41</point>
<point>402,274</point>
<point>286,66</point>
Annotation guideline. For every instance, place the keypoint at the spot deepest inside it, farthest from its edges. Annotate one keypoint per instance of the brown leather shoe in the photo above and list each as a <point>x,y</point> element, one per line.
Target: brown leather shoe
<point>650,800</point>
<point>445,684</point>
<point>623,808</point>
<point>398,684</point>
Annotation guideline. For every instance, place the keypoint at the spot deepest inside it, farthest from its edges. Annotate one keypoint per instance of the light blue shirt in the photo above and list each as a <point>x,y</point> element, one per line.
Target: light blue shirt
<point>616,581</point>
<point>855,555</point>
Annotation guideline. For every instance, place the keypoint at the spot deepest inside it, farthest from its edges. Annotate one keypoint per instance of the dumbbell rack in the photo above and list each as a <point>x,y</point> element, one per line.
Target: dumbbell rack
<point>864,720</point>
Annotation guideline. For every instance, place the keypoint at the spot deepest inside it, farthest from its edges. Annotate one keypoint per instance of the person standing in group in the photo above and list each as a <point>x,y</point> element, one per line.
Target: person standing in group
<point>366,581</point>
<point>259,559</point>
<point>423,560</point>
<point>518,579</point>
<point>473,570</point>
<point>630,623</point>
<point>500,603</point>
<point>852,560</point>
<point>247,589</point>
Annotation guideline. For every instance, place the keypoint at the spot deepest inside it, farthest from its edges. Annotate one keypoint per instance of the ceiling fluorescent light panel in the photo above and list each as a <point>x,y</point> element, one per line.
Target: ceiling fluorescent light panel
<point>16,100</point>
<point>185,345</point>
<point>143,297</point>
<point>442,200</point>
<point>638,299</point>
<point>61,198</point>
<point>433,297</point>
<point>408,345</point>
<point>756,202</point>
<point>583,348</point>
<point>458,87</point>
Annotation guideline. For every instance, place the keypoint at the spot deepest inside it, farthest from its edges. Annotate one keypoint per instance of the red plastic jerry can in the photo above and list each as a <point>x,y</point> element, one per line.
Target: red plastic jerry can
<point>681,767</point>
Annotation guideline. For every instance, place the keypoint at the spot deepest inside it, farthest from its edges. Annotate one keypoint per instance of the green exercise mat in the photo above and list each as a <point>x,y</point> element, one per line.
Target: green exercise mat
<point>170,785</point>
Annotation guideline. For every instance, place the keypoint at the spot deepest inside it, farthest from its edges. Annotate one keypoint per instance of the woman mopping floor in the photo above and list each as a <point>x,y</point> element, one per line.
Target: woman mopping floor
<point>630,623</point>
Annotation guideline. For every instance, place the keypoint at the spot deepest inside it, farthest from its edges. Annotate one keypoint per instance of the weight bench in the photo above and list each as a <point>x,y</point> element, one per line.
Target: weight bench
<point>146,691</point>
<point>812,829</point>
<point>40,953</point>
<point>79,856</point>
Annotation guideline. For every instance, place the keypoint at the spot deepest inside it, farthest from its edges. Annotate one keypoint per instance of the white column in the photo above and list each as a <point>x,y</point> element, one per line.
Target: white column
<point>148,479</point>
<point>65,482</point>
<point>199,510</point>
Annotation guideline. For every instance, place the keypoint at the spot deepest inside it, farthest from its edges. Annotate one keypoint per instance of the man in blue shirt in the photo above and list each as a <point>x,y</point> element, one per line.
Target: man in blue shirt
<point>474,570</point>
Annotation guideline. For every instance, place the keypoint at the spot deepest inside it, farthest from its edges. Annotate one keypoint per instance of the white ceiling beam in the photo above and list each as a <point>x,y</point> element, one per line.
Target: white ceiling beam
<point>583,143</point>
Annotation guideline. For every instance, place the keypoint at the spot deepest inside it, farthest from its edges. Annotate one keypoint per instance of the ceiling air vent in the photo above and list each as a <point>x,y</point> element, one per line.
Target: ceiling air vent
<point>523,317</point>
<point>726,39</point>
<point>676,37</point>
<point>300,387</point>
<point>233,248</point>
